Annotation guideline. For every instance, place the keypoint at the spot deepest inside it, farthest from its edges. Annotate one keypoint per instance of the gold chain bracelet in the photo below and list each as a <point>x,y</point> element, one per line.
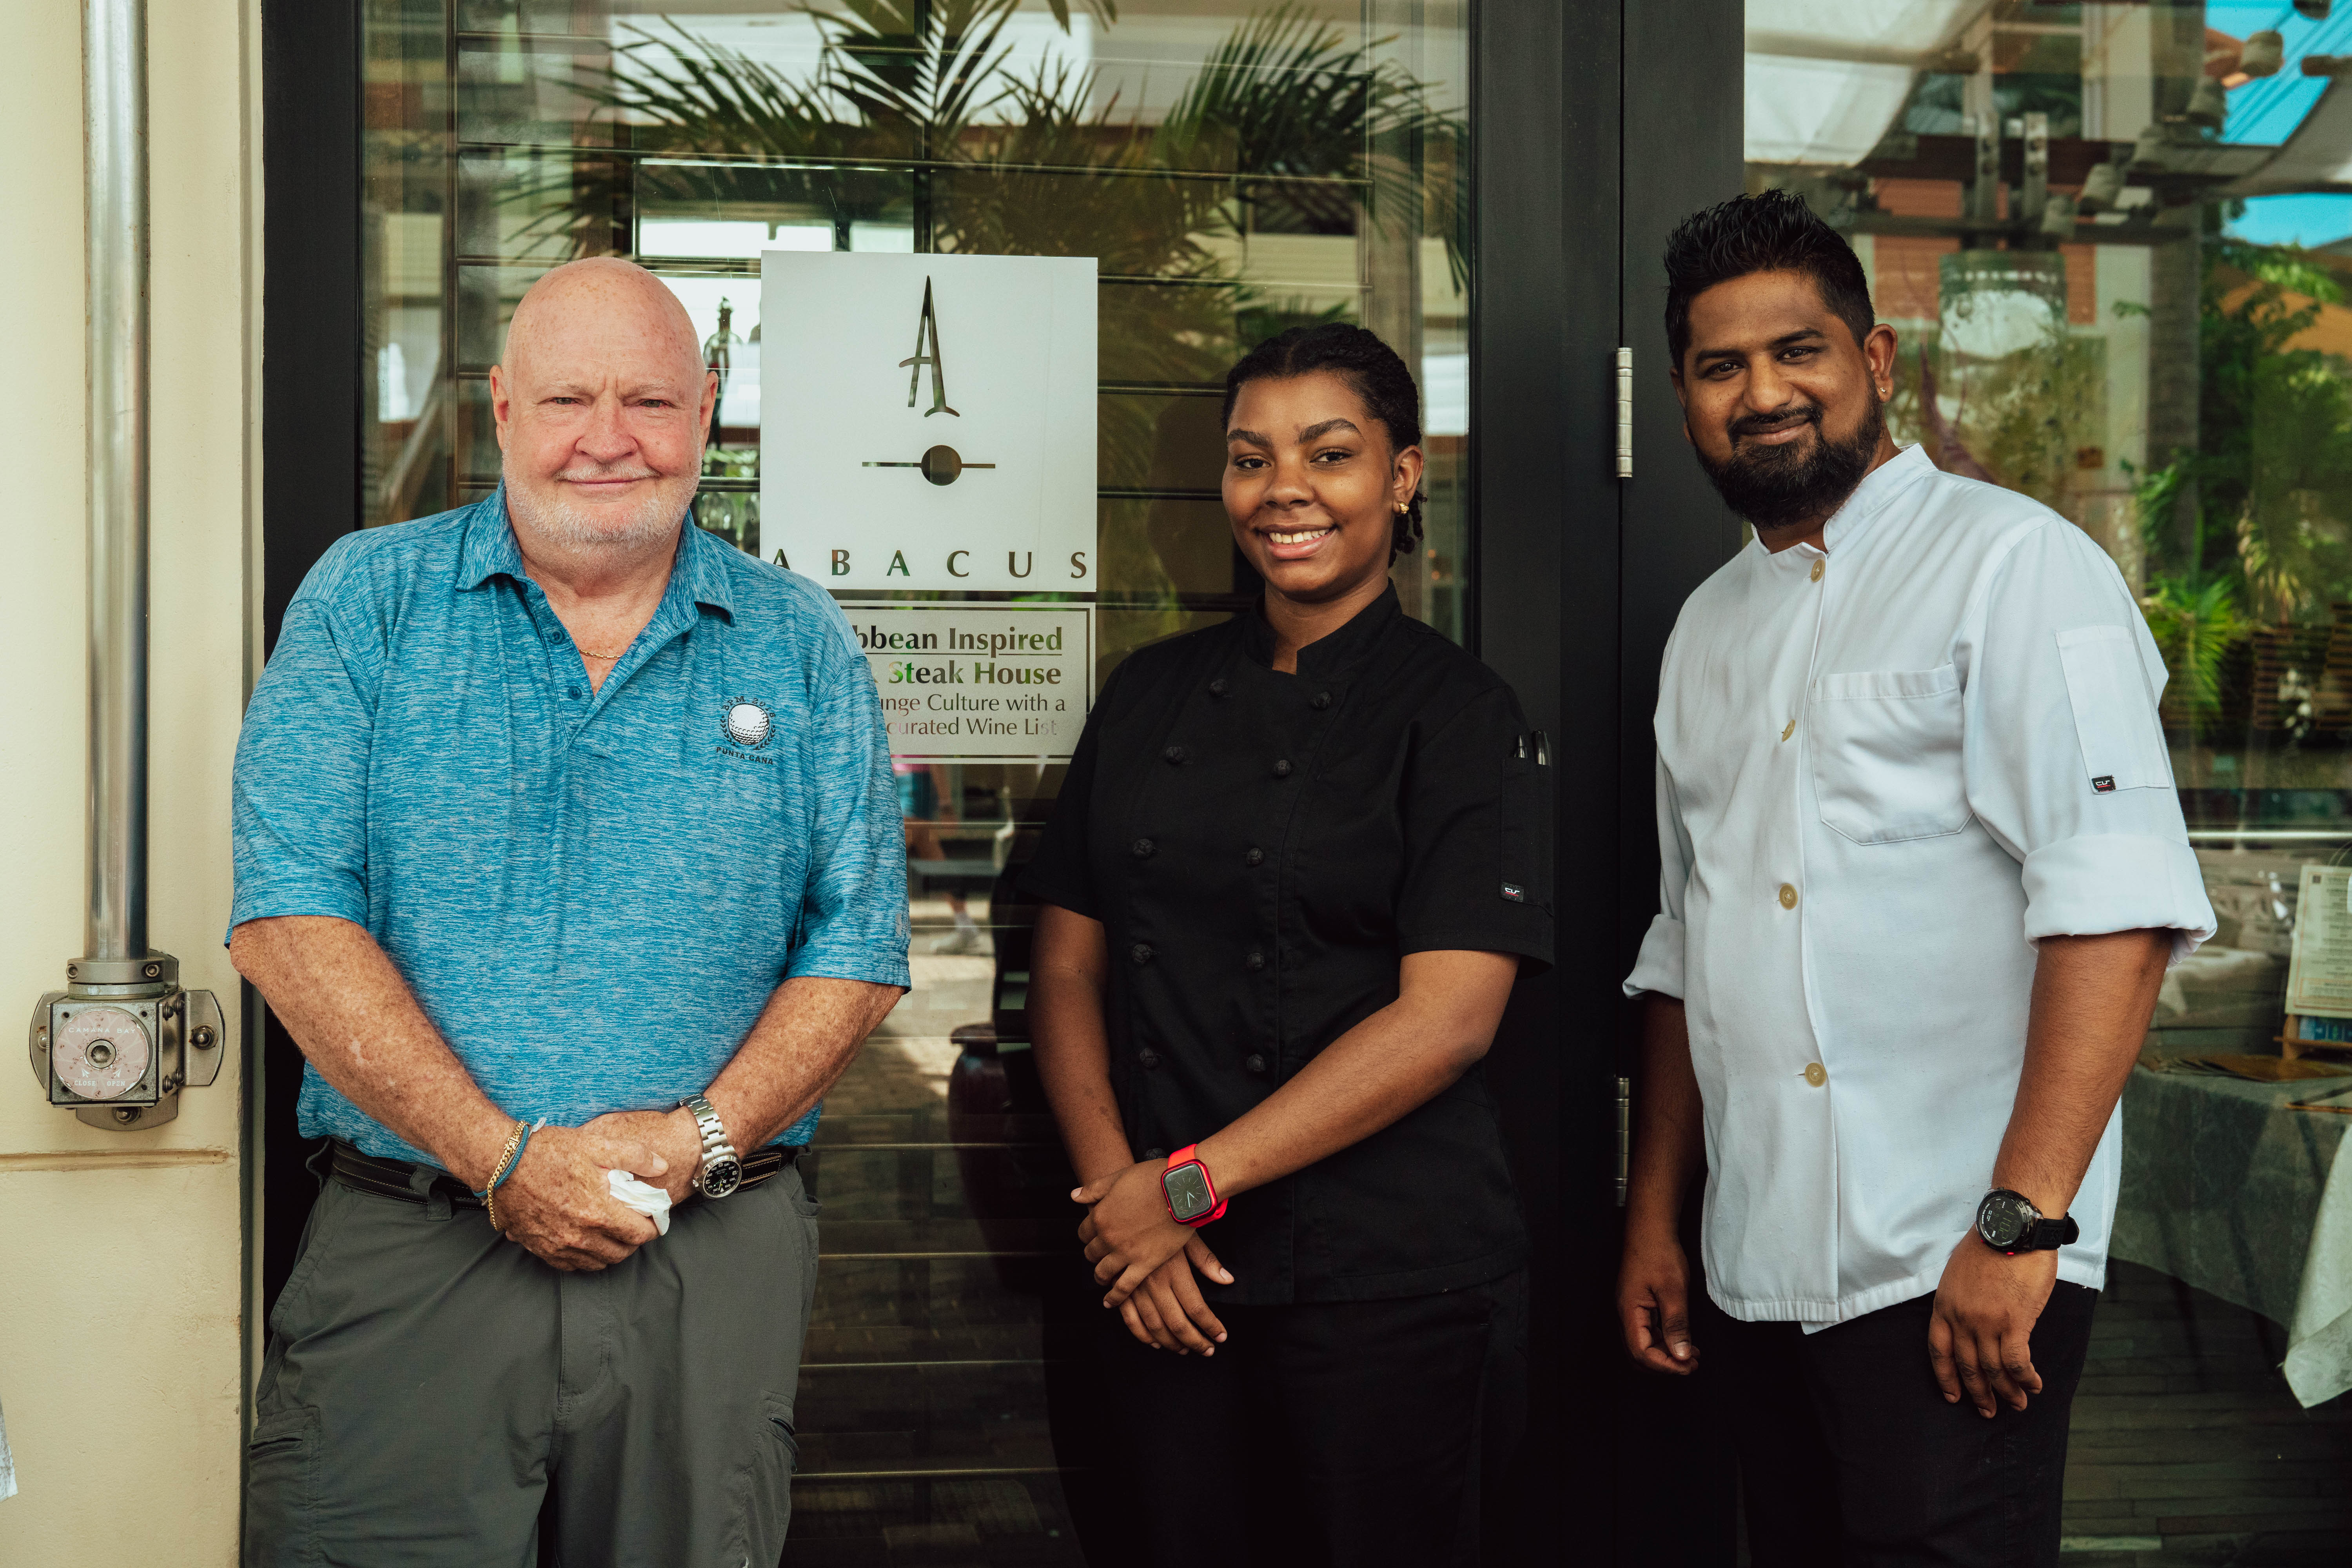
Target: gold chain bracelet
<point>499,1171</point>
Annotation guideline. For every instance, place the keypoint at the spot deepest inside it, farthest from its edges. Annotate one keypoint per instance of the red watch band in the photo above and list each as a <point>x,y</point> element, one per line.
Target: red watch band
<point>1185,1156</point>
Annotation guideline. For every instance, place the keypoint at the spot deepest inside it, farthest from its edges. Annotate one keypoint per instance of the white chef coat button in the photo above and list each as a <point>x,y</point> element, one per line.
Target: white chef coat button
<point>1817,571</point>
<point>1788,897</point>
<point>1790,729</point>
<point>1816,1074</point>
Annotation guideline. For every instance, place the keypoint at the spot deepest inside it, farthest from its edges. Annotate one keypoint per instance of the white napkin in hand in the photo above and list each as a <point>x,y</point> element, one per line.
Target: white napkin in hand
<point>649,1201</point>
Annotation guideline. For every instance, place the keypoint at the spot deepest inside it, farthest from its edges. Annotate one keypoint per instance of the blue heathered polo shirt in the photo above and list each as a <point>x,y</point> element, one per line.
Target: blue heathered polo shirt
<point>592,893</point>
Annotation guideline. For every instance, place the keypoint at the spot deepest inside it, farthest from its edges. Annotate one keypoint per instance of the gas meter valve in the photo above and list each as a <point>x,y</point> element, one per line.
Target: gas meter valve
<point>121,1041</point>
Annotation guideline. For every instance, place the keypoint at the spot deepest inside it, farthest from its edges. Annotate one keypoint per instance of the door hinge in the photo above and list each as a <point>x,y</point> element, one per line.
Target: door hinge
<point>1624,1136</point>
<point>1624,414</point>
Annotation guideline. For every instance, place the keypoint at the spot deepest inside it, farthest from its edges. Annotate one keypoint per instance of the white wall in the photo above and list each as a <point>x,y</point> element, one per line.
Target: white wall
<point>120,1254</point>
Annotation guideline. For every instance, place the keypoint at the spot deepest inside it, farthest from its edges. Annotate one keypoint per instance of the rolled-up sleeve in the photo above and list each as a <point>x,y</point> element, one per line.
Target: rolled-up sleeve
<point>2064,753</point>
<point>298,797</point>
<point>852,923</point>
<point>1659,966</point>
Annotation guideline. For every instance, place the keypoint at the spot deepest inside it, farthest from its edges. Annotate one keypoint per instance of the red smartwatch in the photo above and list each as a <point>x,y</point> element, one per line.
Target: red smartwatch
<point>1192,1197</point>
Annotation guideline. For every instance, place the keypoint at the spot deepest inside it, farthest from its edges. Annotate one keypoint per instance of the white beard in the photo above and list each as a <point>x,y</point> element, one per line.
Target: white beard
<point>549,515</point>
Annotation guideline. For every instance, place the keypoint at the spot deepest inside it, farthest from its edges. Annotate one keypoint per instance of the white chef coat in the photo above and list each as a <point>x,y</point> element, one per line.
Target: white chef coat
<point>1886,769</point>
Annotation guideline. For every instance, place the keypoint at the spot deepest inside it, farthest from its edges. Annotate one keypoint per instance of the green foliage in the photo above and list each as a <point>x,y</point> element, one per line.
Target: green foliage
<point>2035,409</point>
<point>2270,485</point>
<point>2249,529</point>
<point>915,113</point>
<point>2020,419</point>
<point>2194,625</point>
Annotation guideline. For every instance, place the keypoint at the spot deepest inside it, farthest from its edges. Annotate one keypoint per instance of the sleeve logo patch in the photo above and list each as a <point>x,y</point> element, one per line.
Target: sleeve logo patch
<point>1514,892</point>
<point>2104,783</point>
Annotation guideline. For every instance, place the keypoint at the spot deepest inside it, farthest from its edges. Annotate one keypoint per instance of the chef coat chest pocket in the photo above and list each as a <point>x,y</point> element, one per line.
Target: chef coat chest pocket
<point>1885,748</point>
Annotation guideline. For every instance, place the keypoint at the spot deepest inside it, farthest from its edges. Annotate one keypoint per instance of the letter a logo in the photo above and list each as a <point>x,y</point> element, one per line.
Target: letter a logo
<point>927,329</point>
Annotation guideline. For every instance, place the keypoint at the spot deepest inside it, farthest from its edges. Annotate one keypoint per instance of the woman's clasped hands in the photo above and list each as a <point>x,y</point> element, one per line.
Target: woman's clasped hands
<point>1148,1261</point>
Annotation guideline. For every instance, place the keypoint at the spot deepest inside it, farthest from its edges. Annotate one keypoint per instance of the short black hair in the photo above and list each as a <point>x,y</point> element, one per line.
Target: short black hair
<point>1367,365</point>
<point>1772,231</point>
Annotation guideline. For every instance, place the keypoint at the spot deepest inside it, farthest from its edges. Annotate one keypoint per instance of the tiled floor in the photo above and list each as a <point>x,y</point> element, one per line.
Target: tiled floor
<point>2188,1449</point>
<point>925,1440</point>
<point>923,1426</point>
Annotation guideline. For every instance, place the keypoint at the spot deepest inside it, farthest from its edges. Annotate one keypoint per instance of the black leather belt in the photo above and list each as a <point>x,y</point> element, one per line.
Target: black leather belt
<point>413,1183</point>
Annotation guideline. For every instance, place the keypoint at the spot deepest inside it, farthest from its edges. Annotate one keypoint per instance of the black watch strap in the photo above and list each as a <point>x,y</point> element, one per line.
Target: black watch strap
<point>2009,1224</point>
<point>2050,1235</point>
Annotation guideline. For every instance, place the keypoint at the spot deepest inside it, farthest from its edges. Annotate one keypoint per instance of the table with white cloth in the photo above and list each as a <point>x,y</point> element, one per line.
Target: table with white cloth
<point>2227,1189</point>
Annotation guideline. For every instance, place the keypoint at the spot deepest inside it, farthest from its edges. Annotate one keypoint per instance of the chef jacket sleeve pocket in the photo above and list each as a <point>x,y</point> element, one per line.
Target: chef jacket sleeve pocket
<point>2115,720</point>
<point>1524,825</point>
<point>1887,753</point>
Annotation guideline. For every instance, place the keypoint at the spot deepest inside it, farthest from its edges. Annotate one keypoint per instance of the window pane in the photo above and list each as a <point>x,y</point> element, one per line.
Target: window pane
<point>2112,242</point>
<point>1236,167</point>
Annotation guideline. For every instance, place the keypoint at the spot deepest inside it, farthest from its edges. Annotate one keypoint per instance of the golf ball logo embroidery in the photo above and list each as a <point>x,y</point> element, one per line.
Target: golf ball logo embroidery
<point>748,723</point>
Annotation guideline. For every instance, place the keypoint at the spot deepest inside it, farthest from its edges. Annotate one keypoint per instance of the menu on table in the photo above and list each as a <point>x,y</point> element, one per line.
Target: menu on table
<point>2319,972</point>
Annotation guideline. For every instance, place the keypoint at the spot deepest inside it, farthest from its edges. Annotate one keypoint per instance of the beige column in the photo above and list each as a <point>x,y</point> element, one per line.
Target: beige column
<point>122,1364</point>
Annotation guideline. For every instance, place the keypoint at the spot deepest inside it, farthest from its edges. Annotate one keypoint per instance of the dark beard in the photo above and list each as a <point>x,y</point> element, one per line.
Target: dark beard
<point>1776,487</point>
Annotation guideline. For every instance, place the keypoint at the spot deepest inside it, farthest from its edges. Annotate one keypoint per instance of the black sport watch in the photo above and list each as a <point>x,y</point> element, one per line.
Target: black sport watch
<point>2009,1224</point>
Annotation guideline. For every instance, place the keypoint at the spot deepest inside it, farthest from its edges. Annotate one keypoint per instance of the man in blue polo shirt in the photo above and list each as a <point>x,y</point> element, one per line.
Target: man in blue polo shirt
<point>566,845</point>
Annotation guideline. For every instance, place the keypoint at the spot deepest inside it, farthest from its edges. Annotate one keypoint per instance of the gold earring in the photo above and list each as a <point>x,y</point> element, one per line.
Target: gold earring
<point>1402,508</point>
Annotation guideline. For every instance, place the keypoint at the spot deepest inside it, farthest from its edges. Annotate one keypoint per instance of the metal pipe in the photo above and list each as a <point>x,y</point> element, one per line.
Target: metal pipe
<point>114,124</point>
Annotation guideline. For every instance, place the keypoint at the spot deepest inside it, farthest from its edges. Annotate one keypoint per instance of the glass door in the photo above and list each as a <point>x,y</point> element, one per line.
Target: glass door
<point>1234,167</point>
<point>2115,243</point>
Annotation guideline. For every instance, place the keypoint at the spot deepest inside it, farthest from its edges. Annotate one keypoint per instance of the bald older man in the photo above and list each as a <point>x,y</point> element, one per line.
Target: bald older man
<point>566,846</point>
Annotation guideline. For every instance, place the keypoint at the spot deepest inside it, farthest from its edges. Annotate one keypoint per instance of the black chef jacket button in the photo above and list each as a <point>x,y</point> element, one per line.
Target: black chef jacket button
<point>1155,1153</point>
<point>1254,1062</point>
<point>1217,687</point>
<point>1322,699</point>
<point>1141,952</point>
<point>1148,1058</point>
<point>1141,848</point>
<point>1254,961</point>
<point>1282,769</point>
<point>1255,856</point>
<point>1175,754</point>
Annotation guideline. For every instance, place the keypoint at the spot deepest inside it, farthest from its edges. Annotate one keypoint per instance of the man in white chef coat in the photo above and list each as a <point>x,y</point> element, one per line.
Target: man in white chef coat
<point>1923,869</point>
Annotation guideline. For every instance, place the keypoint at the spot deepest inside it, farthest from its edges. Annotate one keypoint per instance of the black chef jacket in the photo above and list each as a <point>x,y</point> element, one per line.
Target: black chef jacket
<point>1263,850</point>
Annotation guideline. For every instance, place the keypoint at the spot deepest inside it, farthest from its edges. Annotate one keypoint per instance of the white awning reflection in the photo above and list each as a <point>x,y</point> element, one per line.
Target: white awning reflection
<point>2316,157</point>
<point>1826,79</point>
<point>1820,112</point>
<point>1880,31</point>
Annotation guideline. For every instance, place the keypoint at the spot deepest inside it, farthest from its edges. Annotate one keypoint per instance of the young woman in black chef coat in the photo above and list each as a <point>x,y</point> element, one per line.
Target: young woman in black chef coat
<point>1297,863</point>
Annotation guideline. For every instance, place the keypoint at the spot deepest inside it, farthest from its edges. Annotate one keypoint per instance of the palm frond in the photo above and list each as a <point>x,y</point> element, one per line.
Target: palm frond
<point>916,102</point>
<point>2194,624</point>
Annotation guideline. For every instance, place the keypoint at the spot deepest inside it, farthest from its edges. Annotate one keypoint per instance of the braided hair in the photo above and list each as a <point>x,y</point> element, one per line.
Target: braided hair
<point>1370,367</point>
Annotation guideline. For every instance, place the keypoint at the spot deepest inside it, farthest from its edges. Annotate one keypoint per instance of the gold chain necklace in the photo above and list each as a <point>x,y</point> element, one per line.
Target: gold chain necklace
<point>591,653</point>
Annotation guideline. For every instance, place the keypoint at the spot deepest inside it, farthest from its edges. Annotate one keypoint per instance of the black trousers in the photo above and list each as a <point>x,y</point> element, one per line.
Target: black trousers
<point>1325,1434</point>
<point>1849,1456</point>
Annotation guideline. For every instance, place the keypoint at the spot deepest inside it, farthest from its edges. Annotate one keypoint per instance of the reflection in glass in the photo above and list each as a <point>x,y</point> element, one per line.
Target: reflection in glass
<point>1236,167</point>
<point>2114,241</point>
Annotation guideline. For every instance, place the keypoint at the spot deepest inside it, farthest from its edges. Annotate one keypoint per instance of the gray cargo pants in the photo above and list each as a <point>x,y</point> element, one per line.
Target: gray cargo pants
<point>428,1382</point>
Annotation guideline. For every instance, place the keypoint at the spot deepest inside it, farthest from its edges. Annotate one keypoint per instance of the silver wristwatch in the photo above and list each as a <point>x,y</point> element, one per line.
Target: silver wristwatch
<point>721,1171</point>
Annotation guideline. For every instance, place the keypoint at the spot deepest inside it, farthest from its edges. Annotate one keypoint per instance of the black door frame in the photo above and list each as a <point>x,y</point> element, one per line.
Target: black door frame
<point>311,360</point>
<point>1683,152</point>
<point>1597,125</point>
